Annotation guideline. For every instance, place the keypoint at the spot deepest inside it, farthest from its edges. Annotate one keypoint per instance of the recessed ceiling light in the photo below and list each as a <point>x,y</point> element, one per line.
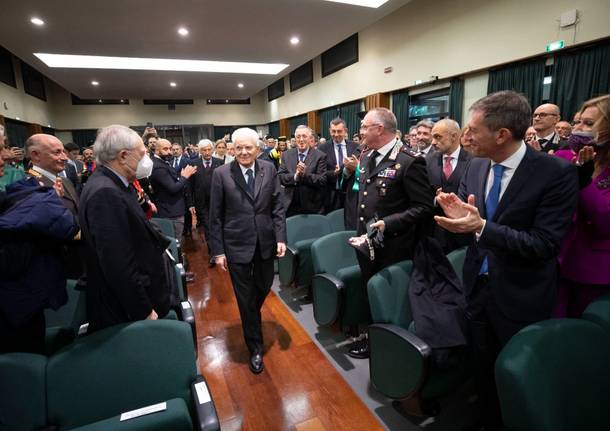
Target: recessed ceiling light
<point>172,84</point>
<point>183,31</point>
<point>99,100</point>
<point>95,83</point>
<point>48,125</point>
<point>17,118</point>
<point>122,100</point>
<point>366,3</point>
<point>227,101</point>
<point>240,85</point>
<point>294,40</point>
<point>36,21</point>
<point>134,63</point>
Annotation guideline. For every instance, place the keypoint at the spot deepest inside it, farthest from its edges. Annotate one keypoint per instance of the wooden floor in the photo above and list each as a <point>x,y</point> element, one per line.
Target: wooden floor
<point>298,390</point>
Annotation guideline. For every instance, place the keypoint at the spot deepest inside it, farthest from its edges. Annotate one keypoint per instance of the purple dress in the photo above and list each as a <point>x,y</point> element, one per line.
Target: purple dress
<point>585,254</point>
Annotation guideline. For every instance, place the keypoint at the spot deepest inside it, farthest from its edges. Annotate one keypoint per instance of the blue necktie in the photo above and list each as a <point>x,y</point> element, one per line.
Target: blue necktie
<point>250,176</point>
<point>341,156</point>
<point>491,204</point>
<point>301,157</point>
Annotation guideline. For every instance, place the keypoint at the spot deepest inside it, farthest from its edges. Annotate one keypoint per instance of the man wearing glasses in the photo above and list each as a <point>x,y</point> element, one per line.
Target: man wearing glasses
<point>544,120</point>
<point>395,198</point>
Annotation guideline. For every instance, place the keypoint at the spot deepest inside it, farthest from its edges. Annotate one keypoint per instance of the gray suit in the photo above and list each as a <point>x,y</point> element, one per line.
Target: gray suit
<point>246,228</point>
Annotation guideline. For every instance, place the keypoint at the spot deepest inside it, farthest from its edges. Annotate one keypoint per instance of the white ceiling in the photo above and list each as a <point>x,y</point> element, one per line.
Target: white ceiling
<point>227,30</point>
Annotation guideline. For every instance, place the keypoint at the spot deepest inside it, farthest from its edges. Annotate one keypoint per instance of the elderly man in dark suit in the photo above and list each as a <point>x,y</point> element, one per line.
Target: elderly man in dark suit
<point>445,169</point>
<point>201,185</point>
<point>303,175</point>
<point>248,229</point>
<point>337,150</point>
<point>516,208</point>
<point>168,186</point>
<point>124,252</point>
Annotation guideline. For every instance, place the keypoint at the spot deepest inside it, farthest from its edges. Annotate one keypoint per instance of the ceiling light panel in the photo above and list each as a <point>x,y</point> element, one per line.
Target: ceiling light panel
<point>135,63</point>
<point>365,3</point>
<point>36,21</point>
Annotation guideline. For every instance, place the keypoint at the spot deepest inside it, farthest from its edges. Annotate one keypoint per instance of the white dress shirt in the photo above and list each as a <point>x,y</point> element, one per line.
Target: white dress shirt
<point>244,169</point>
<point>51,176</point>
<point>454,159</point>
<point>384,150</point>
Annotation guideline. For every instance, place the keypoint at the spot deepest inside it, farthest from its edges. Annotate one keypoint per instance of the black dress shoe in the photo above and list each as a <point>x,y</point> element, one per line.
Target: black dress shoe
<point>256,363</point>
<point>359,349</point>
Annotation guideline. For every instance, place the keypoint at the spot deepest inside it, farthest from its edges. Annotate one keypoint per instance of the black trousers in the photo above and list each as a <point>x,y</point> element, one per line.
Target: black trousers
<point>203,217</point>
<point>251,284</point>
<point>28,337</point>
<point>490,330</point>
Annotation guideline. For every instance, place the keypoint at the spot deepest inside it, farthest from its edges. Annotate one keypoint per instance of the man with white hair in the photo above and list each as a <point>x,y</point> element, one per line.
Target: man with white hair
<point>201,185</point>
<point>124,253</point>
<point>248,230</point>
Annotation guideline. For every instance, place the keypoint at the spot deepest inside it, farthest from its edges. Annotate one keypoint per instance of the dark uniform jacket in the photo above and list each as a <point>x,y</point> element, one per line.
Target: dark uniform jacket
<point>398,191</point>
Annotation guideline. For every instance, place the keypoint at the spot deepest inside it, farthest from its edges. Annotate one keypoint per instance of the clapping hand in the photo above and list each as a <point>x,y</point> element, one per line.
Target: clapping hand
<point>461,217</point>
<point>300,169</point>
<point>586,154</point>
<point>187,171</point>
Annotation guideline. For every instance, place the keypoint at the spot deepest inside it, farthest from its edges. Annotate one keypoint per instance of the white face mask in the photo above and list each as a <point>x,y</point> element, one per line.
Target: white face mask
<point>145,166</point>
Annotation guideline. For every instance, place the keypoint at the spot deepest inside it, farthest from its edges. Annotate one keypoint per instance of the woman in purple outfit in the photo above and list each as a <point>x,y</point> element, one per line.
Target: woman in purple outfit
<point>585,255</point>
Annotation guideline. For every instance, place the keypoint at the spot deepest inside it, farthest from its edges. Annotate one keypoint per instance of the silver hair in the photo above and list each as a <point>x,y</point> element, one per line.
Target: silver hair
<point>204,143</point>
<point>451,125</point>
<point>245,133</point>
<point>302,126</point>
<point>1,130</point>
<point>261,144</point>
<point>425,123</point>
<point>386,118</point>
<point>111,140</point>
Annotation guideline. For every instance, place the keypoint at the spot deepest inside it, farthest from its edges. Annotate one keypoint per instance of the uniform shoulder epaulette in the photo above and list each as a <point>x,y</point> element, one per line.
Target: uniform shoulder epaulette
<point>409,151</point>
<point>33,173</point>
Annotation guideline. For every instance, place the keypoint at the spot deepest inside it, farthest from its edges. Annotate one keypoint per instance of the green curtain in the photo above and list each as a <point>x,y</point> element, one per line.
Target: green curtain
<point>579,76</point>
<point>16,133</point>
<point>400,107</point>
<point>526,77</point>
<point>326,116</point>
<point>296,121</point>
<point>456,99</point>
<point>349,113</point>
<point>274,129</point>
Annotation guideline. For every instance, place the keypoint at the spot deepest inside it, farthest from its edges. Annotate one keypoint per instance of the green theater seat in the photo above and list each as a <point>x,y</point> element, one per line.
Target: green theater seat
<point>295,267</point>
<point>599,312</point>
<point>400,362</point>
<point>337,284</point>
<point>554,376</point>
<point>23,400</point>
<point>336,220</point>
<point>62,324</point>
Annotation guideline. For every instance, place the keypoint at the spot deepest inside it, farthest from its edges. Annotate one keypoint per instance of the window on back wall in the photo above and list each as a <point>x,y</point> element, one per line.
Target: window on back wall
<point>341,55</point>
<point>429,106</point>
<point>301,76</point>
<point>33,82</point>
<point>7,72</point>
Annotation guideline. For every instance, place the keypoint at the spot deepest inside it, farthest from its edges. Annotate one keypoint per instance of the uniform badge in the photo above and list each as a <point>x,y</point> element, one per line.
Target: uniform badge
<point>397,166</point>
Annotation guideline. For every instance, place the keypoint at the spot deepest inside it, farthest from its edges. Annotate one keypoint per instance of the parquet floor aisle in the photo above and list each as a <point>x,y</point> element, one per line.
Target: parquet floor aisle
<point>299,389</point>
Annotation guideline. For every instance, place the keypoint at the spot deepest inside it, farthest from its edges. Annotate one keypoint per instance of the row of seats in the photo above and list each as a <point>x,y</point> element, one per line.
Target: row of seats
<point>295,267</point>
<point>552,375</point>
<point>95,382</point>
<point>88,382</point>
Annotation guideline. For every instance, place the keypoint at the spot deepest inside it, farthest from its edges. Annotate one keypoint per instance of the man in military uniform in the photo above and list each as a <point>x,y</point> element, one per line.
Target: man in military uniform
<point>395,198</point>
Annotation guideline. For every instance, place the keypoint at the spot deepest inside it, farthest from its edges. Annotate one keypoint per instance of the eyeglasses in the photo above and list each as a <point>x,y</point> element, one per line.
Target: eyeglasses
<point>366,126</point>
<point>543,115</point>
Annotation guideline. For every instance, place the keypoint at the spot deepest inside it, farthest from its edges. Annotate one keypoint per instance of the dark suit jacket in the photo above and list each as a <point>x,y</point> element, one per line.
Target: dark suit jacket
<point>307,194</point>
<point>523,238</point>
<point>239,222</point>
<point>181,163</point>
<point>73,174</point>
<point>168,189</point>
<point>201,184</point>
<point>124,254</point>
<point>70,198</point>
<point>434,160</point>
<point>335,197</point>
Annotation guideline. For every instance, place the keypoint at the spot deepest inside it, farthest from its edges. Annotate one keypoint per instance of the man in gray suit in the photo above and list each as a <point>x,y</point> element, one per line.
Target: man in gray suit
<point>303,175</point>
<point>247,230</point>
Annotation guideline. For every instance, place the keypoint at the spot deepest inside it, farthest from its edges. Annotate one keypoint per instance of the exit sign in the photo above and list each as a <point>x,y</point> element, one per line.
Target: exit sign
<point>554,46</point>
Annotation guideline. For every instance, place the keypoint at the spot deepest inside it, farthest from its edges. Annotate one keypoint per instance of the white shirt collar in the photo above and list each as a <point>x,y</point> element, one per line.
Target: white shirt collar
<point>244,168</point>
<point>454,155</point>
<point>340,143</point>
<point>512,162</point>
<point>547,137</point>
<point>121,177</point>
<point>387,147</point>
<point>45,173</point>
